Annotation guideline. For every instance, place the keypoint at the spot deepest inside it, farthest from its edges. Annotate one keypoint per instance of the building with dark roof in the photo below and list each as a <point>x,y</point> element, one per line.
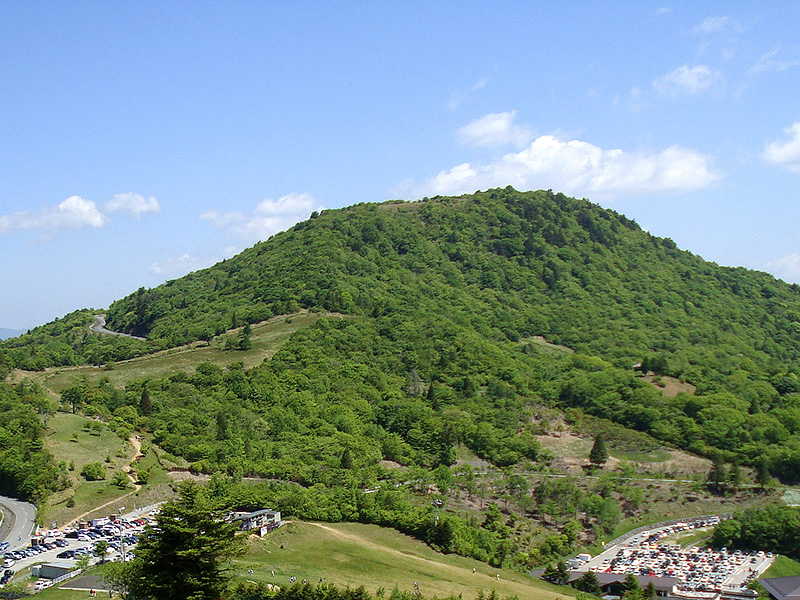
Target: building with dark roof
<point>782,588</point>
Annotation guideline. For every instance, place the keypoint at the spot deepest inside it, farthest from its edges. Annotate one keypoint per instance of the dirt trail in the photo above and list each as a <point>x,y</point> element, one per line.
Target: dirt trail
<point>137,446</point>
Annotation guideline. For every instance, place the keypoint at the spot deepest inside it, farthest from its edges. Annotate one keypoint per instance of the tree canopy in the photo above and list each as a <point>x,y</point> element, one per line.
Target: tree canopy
<point>184,555</point>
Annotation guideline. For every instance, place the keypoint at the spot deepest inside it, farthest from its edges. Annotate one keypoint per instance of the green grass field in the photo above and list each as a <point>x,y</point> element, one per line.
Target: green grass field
<point>267,338</point>
<point>93,446</point>
<point>350,554</point>
<point>783,567</point>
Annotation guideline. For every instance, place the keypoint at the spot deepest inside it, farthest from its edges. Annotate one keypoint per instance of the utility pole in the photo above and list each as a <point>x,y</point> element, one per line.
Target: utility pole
<point>121,539</point>
<point>436,505</point>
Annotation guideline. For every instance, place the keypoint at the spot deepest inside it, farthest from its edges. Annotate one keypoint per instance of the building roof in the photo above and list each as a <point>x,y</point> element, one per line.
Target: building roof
<point>782,588</point>
<point>252,515</point>
<point>660,583</point>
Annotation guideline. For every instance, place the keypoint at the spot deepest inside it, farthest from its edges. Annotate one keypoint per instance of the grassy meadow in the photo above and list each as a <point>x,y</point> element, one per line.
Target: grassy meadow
<point>266,338</point>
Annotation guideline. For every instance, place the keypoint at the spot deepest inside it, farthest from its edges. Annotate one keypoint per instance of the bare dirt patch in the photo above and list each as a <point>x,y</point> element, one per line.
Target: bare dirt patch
<point>669,386</point>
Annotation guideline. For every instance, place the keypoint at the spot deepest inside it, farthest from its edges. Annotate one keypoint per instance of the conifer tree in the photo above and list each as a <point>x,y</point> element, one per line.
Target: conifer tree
<point>183,556</point>
<point>145,404</point>
<point>598,454</point>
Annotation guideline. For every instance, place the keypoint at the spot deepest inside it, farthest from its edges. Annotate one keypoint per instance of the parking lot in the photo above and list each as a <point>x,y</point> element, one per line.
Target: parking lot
<point>68,546</point>
<point>696,569</point>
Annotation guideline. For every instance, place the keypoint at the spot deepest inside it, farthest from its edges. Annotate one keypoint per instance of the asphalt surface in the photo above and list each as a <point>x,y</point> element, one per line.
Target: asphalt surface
<point>19,520</point>
<point>99,326</point>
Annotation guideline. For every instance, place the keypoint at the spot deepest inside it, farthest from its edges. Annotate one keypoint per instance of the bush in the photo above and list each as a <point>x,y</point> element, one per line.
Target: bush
<point>94,471</point>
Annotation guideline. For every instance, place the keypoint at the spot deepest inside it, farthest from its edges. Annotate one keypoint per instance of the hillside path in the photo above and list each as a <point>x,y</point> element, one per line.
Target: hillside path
<point>137,445</point>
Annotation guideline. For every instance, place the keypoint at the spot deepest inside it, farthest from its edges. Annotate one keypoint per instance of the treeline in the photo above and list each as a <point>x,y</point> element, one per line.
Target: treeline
<point>774,528</point>
<point>27,469</point>
<point>250,590</point>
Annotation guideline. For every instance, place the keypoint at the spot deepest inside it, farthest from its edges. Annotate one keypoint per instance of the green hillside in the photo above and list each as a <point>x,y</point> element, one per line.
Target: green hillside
<point>471,326</point>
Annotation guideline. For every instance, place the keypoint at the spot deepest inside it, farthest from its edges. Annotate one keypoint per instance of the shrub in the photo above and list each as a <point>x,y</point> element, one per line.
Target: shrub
<point>94,471</point>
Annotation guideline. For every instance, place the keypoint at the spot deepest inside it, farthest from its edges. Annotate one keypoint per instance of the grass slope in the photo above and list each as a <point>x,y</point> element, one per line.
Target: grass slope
<point>267,338</point>
<point>352,554</point>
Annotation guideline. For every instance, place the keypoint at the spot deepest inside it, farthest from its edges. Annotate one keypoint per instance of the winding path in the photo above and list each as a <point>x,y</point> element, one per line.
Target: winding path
<point>99,326</point>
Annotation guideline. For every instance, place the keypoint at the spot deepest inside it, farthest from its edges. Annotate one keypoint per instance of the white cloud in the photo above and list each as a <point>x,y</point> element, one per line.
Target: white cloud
<point>787,267</point>
<point>73,213</point>
<point>268,217</point>
<point>76,213</point>
<point>718,24</point>
<point>664,10</point>
<point>495,129</point>
<point>581,169</point>
<point>785,153</point>
<point>771,62</point>
<point>134,204</point>
<point>687,80</point>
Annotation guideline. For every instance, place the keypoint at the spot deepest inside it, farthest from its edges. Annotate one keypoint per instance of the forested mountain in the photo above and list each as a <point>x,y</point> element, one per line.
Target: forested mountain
<point>443,298</point>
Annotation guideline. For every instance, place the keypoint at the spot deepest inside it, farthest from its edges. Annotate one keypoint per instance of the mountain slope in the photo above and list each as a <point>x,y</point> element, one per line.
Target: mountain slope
<point>451,291</point>
<point>510,264</point>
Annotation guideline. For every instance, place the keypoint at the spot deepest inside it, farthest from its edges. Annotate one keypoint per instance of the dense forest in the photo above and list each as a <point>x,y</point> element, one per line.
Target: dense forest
<point>443,298</point>
<point>27,470</point>
<point>444,325</point>
<point>774,528</point>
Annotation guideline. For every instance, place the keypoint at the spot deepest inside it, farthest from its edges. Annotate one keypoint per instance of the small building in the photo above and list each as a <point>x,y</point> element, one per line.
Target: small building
<point>262,521</point>
<point>611,583</point>
<point>782,588</point>
<point>51,570</point>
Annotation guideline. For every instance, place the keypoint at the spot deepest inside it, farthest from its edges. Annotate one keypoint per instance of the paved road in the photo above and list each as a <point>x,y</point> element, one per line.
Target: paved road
<point>99,326</point>
<point>18,522</point>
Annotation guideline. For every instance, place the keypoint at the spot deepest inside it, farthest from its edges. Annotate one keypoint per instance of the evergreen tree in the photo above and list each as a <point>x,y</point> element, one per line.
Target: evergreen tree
<point>735,476</point>
<point>183,556</point>
<point>145,404</point>
<point>763,478</point>
<point>650,591</point>
<point>346,462</point>
<point>631,590</point>
<point>716,476</point>
<point>589,583</point>
<point>598,454</point>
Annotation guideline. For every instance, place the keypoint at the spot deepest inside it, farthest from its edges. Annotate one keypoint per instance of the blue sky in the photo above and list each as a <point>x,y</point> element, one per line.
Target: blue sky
<point>144,140</point>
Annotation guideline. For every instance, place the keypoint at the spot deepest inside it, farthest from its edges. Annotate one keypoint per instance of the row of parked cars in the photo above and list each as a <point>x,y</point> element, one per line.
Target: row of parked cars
<point>11,558</point>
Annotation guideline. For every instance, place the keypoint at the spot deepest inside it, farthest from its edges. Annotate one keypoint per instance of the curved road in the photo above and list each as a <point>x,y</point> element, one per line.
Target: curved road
<point>19,520</point>
<point>99,326</point>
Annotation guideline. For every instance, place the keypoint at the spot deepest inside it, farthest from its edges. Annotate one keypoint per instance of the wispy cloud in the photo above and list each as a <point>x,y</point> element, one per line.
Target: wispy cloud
<point>268,217</point>
<point>458,97</point>
<point>177,266</point>
<point>73,213</point>
<point>133,204</point>
<point>687,81</point>
<point>772,62</point>
<point>579,168</point>
<point>718,24</point>
<point>785,153</point>
<point>495,129</point>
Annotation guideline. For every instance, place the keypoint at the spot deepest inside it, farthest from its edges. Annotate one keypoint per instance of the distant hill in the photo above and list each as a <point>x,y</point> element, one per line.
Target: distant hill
<point>10,333</point>
<point>466,303</point>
